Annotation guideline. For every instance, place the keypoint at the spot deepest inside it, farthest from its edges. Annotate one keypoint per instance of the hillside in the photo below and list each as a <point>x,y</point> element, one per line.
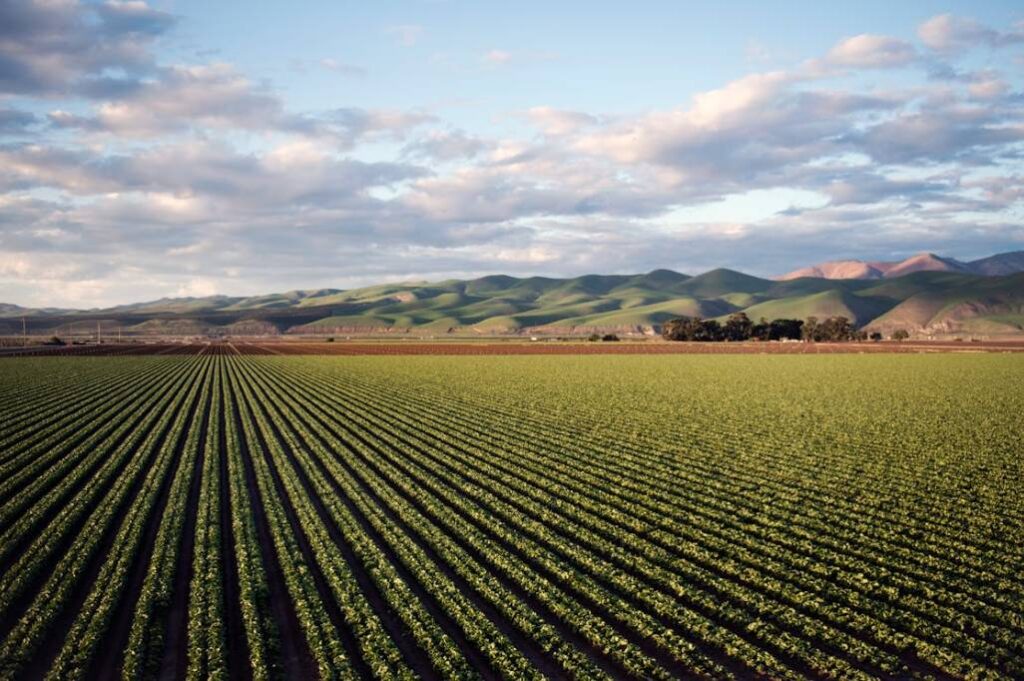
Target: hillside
<point>1001,264</point>
<point>992,305</point>
<point>925,302</point>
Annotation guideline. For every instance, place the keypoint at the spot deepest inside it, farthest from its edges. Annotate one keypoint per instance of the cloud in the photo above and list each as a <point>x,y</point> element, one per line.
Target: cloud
<point>183,97</point>
<point>13,121</point>
<point>197,287</point>
<point>133,17</point>
<point>351,124</point>
<point>288,175</point>
<point>444,145</point>
<point>872,51</point>
<point>406,34</point>
<point>51,48</point>
<point>342,68</point>
<point>988,87</point>
<point>498,57</point>
<point>968,134</point>
<point>859,187</point>
<point>559,122</point>
<point>506,57</point>
<point>950,34</point>
<point>147,179</point>
<point>759,131</point>
<point>217,96</point>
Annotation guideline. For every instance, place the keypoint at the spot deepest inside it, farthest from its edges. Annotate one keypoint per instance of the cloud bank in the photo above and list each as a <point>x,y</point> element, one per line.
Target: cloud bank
<point>126,177</point>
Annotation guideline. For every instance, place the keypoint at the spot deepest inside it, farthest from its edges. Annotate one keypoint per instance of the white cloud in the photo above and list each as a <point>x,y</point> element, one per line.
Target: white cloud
<point>151,180</point>
<point>445,145</point>
<point>197,287</point>
<point>213,95</point>
<point>53,48</point>
<point>948,33</point>
<point>872,51</point>
<point>559,122</point>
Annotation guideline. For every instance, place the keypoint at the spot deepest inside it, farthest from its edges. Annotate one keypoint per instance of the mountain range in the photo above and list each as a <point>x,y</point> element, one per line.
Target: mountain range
<point>995,265</point>
<point>926,295</point>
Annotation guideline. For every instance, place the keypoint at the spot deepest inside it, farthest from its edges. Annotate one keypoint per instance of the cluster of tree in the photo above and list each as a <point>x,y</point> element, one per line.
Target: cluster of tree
<point>833,329</point>
<point>739,327</point>
<point>608,337</point>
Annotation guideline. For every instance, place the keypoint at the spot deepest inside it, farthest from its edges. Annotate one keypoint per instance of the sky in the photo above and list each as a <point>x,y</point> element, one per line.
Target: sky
<point>187,148</point>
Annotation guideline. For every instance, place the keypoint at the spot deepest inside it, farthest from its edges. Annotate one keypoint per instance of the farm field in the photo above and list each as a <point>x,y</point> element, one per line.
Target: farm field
<point>508,347</point>
<point>233,514</point>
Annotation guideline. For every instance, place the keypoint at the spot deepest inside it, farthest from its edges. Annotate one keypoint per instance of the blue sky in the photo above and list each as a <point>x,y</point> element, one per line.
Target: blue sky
<point>187,148</point>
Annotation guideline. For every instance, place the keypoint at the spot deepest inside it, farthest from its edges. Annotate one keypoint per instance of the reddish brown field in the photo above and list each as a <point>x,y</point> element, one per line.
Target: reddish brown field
<point>620,348</point>
<point>271,348</point>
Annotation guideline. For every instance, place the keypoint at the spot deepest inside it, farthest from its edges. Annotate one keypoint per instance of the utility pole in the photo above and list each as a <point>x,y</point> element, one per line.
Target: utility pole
<point>24,332</point>
<point>99,337</point>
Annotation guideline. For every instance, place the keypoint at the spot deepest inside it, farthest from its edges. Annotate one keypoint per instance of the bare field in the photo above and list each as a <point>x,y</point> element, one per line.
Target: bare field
<point>444,348</point>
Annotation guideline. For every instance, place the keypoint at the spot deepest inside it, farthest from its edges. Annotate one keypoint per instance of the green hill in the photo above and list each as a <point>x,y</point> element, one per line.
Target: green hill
<point>831,303</point>
<point>921,302</point>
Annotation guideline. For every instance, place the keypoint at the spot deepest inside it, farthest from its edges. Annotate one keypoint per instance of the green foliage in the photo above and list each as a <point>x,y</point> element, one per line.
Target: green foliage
<point>720,516</point>
<point>738,327</point>
<point>831,330</point>
<point>692,329</point>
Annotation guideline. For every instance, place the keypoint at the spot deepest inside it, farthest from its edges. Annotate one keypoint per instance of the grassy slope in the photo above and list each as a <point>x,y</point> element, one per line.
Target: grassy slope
<point>832,303</point>
<point>499,303</point>
<point>955,301</point>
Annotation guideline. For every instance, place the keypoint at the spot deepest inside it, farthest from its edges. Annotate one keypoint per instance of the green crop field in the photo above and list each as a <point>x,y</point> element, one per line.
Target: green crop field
<point>722,516</point>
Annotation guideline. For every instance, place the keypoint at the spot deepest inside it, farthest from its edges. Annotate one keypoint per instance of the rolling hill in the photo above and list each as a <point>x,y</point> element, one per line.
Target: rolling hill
<point>933,298</point>
<point>996,265</point>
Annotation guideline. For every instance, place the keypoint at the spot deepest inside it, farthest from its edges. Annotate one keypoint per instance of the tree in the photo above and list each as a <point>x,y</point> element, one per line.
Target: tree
<point>810,329</point>
<point>692,329</point>
<point>609,337</point>
<point>786,328</point>
<point>762,330</point>
<point>876,336</point>
<point>709,330</point>
<point>900,335</point>
<point>832,330</point>
<point>836,330</point>
<point>738,327</point>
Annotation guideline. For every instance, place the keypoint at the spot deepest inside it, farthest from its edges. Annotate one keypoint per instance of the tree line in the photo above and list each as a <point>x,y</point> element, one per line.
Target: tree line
<point>739,327</point>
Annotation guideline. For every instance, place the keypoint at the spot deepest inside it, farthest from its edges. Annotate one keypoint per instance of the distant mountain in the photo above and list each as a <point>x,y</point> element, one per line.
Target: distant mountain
<point>925,294</point>
<point>10,310</point>
<point>999,265</point>
<point>996,265</point>
<point>840,269</point>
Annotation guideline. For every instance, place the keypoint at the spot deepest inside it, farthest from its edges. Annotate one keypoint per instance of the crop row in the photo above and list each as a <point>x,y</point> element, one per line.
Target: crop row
<point>227,515</point>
